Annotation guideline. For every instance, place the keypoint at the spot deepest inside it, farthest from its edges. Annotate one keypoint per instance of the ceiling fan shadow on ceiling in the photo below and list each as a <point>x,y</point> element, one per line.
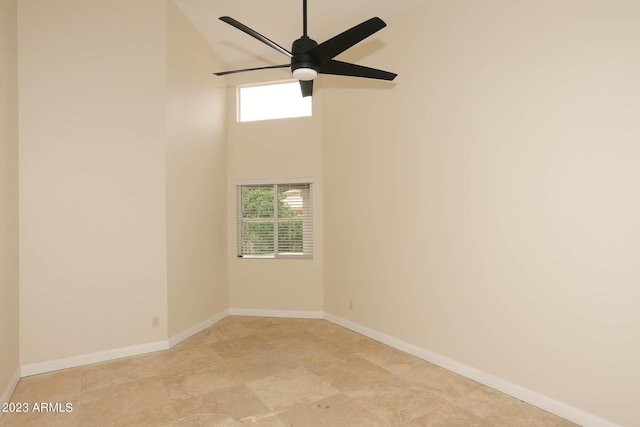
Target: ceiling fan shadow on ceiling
<point>308,58</point>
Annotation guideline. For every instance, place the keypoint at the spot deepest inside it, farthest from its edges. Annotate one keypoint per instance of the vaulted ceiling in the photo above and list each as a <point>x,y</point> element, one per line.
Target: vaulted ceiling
<point>280,21</point>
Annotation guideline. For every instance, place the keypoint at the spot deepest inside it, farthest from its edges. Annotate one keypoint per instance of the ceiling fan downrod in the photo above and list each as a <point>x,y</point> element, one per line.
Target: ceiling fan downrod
<point>304,18</point>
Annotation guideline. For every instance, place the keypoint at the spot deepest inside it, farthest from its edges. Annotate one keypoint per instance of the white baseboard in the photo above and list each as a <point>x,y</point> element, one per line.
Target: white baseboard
<point>8,392</point>
<point>87,359</point>
<point>294,314</point>
<point>187,333</point>
<point>534,398</point>
<point>117,353</point>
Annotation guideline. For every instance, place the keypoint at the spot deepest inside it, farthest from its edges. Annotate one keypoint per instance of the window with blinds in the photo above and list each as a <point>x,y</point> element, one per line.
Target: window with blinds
<point>275,220</point>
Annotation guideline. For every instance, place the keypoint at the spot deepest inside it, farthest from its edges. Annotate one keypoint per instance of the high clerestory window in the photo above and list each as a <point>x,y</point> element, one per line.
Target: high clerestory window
<point>275,220</point>
<point>272,101</point>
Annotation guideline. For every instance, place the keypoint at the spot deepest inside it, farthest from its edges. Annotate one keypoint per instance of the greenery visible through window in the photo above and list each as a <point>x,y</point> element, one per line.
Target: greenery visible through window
<point>275,221</point>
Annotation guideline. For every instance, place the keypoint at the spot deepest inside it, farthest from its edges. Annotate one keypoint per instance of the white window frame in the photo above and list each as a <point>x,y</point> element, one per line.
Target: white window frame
<point>308,218</point>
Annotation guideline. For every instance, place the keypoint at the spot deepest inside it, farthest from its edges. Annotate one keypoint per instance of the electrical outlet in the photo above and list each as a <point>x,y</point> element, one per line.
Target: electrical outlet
<point>155,322</point>
<point>350,304</point>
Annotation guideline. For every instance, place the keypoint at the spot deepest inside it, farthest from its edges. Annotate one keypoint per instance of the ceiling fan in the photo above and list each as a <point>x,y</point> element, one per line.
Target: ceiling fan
<point>308,58</point>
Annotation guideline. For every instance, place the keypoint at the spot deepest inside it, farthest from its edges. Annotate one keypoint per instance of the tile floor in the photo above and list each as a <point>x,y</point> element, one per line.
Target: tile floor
<point>270,372</point>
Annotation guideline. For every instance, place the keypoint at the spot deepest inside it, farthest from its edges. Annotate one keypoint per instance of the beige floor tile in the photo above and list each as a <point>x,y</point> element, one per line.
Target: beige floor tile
<point>440,380</point>
<point>183,385</point>
<point>391,359</point>
<point>335,411</point>
<point>51,387</point>
<point>348,348</point>
<point>350,374</point>
<point>232,327</point>
<point>397,401</point>
<point>270,421</point>
<point>326,329</point>
<point>260,365</point>
<point>163,416</point>
<point>449,416</point>
<point>107,404</point>
<point>283,391</point>
<point>345,342</point>
<point>303,323</point>
<point>300,341</point>
<point>200,357</point>
<point>208,336</point>
<point>237,402</point>
<point>241,347</point>
<point>270,372</point>
<point>209,420</point>
<point>120,371</point>
<point>503,410</point>
<point>309,360</point>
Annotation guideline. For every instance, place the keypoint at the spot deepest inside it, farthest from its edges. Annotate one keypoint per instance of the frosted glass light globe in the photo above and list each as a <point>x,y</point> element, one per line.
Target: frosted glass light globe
<point>305,74</point>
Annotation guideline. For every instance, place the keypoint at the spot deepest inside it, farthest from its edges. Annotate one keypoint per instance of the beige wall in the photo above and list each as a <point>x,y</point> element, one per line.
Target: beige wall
<point>196,178</point>
<point>272,149</point>
<point>92,171</point>
<point>486,208</point>
<point>9,330</point>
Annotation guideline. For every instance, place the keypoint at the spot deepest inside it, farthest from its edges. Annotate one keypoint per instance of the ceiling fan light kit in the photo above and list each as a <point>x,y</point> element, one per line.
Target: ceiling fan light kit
<point>308,58</point>
<point>305,74</point>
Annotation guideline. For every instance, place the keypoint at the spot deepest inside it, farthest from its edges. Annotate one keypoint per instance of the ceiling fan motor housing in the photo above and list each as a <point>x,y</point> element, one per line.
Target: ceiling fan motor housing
<point>303,60</point>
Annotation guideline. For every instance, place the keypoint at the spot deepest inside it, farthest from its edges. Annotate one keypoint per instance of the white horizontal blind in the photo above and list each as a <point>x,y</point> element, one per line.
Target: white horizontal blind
<point>275,221</point>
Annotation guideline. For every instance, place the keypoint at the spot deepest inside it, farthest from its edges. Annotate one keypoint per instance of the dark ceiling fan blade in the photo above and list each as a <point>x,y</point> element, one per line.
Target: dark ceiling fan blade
<point>307,87</point>
<point>328,50</point>
<point>346,69</point>
<point>255,34</point>
<point>224,73</point>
